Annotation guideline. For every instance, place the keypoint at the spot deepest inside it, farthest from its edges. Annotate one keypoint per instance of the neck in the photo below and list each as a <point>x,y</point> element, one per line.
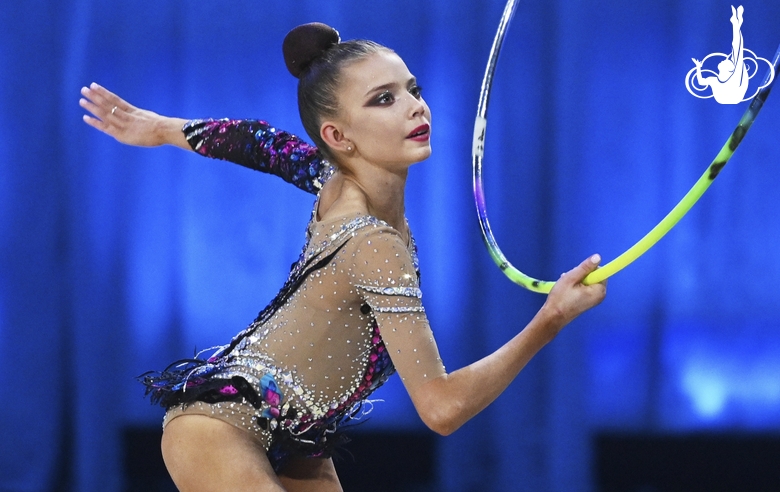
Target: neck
<point>373,189</point>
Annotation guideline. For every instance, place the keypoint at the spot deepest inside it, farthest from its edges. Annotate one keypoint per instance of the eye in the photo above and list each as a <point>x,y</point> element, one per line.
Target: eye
<point>385,98</point>
<point>416,91</point>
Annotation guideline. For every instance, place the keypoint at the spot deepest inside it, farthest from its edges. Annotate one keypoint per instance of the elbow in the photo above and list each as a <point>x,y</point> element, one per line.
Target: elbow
<point>443,419</point>
<point>440,408</point>
<point>443,429</point>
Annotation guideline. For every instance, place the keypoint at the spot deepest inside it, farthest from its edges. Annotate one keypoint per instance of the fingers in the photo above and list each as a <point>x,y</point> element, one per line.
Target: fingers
<point>100,119</point>
<point>578,273</point>
<point>95,123</point>
<point>91,107</point>
<point>94,103</point>
<point>103,103</point>
<point>109,112</point>
<point>570,297</point>
<point>106,98</point>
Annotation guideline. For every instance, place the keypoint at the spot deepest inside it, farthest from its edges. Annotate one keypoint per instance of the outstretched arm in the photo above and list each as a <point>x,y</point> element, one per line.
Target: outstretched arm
<point>116,117</point>
<point>250,143</point>
<point>258,145</point>
<point>447,402</point>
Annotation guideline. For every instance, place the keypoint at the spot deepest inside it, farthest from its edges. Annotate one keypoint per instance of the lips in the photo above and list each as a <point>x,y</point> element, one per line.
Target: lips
<point>422,132</point>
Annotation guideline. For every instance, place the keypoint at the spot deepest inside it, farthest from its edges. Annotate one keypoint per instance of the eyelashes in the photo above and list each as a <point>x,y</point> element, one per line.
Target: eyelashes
<point>387,97</point>
<point>384,98</point>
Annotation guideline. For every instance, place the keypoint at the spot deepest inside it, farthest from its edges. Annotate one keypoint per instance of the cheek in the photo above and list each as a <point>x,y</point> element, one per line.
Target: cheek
<point>378,128</point>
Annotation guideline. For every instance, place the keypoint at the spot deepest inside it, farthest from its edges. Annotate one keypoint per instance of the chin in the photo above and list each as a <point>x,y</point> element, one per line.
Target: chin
<point>411,158</point>
<point>424,154</point>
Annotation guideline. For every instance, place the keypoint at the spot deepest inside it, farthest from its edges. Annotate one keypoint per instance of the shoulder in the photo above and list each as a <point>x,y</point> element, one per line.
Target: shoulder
<point>376,237</point>
<point>378,256</point>
<point>355,231</point>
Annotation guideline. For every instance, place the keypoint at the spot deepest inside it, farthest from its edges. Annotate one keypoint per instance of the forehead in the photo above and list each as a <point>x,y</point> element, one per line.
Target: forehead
<point>382,67</point>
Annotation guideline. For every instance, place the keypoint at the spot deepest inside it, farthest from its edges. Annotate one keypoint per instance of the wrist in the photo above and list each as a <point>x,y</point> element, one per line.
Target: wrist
<point>552,319</point>
<point>169,131</point>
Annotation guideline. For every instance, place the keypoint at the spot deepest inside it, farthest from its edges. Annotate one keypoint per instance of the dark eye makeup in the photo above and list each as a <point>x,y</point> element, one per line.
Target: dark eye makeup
<point>387,97</point>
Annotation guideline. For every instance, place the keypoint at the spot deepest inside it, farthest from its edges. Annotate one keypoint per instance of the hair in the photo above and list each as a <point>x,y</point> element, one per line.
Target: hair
<point>315,55</point>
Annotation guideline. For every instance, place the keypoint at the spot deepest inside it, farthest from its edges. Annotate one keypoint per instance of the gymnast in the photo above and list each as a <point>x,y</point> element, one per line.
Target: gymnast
<point>265,411</point>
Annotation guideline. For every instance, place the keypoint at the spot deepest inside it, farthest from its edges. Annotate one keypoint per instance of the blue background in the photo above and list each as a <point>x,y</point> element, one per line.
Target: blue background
<point>115,260</point>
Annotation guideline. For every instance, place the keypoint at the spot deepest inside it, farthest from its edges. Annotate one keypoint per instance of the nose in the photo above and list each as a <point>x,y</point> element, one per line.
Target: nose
<point>417,106</point>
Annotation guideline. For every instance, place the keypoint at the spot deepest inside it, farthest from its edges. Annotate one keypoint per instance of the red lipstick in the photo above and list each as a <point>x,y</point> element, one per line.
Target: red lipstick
<point>420,134</point>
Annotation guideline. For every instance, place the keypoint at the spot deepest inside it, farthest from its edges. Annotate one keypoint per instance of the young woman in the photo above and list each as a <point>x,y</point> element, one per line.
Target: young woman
<point>264,411</point>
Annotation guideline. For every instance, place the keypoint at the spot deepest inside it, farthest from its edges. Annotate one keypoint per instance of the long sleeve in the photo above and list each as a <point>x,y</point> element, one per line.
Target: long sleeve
<point>384,276</point>
<point>258,145</point>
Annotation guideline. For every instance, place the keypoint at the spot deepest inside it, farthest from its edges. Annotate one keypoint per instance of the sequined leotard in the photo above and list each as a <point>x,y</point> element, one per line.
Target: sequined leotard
<point>349,315</point>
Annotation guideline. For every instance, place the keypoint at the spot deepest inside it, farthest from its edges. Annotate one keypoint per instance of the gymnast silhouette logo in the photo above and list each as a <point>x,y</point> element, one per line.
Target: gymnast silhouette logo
<point>730,84</point>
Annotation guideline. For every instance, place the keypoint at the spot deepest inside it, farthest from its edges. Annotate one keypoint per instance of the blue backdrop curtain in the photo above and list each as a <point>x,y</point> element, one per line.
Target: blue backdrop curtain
<point>115,260</point>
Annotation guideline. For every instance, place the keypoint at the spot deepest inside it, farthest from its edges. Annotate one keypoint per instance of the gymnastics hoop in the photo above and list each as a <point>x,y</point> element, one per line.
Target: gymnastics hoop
<point>655,234</point>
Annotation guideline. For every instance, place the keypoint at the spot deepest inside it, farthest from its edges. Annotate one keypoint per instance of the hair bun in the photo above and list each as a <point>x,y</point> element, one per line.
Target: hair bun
<point>305,43</point>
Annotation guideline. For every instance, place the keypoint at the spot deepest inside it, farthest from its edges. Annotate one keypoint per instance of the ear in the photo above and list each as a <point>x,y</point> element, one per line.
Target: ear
<point>332,135</point>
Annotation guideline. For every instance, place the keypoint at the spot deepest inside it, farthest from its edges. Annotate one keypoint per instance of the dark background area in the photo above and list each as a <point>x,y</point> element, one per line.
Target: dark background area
<point>406,462</point>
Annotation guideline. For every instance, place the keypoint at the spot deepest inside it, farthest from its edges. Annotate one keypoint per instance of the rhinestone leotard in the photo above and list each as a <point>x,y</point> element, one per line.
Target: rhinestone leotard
<point>349,315</point>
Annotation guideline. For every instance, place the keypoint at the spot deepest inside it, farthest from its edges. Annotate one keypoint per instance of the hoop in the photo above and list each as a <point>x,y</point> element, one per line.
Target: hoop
<point>655,234</point>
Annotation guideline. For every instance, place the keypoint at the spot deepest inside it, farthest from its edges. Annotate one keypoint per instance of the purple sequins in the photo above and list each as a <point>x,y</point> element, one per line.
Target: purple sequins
<point>257,145</point>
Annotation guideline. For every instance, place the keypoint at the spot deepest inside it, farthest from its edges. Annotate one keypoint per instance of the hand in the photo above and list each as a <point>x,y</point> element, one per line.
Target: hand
<point>569,297</point>
<point>116,117</point>
<point>696,62</point>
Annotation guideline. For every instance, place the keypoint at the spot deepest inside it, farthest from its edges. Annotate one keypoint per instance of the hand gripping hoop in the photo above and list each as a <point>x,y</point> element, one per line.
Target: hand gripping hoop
<point>652,237</point>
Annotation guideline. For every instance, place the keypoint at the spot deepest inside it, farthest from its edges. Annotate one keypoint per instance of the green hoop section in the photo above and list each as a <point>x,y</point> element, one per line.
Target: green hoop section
<point>652,237</point>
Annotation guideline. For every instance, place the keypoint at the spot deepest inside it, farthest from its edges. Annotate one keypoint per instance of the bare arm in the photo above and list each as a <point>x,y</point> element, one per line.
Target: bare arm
<point>128,124</point>
<point>449,401</point>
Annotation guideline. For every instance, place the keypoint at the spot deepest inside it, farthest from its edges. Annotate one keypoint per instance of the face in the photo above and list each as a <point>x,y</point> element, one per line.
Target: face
<point>382,113</point>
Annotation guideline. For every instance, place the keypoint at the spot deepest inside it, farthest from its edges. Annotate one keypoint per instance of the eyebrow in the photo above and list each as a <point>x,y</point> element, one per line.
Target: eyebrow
<point>390,85</point>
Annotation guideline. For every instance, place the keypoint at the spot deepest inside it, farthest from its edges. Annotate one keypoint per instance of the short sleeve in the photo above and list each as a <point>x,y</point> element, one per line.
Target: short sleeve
<point>258,145</point>
<point>384,276</point>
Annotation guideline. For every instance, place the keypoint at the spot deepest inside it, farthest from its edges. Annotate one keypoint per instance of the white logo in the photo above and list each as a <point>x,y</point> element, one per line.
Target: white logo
<point>730,83</point>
